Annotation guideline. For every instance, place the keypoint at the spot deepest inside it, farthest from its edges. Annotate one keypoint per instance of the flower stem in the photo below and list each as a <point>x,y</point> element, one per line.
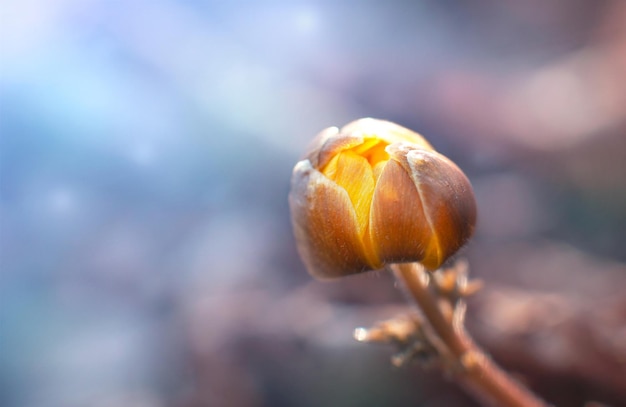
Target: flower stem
<point>469,364</point>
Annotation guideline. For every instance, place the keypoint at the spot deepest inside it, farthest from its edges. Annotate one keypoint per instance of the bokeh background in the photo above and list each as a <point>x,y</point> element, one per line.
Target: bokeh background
<point>146,148</point>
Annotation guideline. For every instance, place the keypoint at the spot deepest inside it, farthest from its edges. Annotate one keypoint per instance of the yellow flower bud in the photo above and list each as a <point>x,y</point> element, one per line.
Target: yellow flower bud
<point>374,193</point>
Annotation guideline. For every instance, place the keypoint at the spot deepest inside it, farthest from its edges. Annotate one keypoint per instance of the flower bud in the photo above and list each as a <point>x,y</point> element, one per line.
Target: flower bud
<point>374,193</point>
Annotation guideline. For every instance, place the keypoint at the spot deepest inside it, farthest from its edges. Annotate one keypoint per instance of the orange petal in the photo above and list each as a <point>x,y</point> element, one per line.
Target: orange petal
<point>447,198</point>
<point>354,174</point>
<point>386,131</point>
<point>325,225</point>
<point>312,151</point>
<point>333,146</point>
<point>398,229</point>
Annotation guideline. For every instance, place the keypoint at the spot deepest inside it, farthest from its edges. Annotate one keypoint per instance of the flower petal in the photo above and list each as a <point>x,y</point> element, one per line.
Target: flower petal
<point>333,146</point>
<point>386,131</point>
<point>325,225</point>
<point>313,149</point>
<point>354,174</point>
<point>398,228</point>
<point>447,199</point>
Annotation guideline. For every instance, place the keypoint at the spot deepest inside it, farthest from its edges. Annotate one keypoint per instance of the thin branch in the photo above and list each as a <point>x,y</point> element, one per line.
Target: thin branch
<point>463,358</point>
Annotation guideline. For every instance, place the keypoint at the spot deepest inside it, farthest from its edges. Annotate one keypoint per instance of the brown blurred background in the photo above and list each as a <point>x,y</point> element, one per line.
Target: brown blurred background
<point>145,152</point>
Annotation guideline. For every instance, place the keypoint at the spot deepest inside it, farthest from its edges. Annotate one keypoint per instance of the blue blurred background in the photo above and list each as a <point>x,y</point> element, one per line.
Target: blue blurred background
<point>145,154</point>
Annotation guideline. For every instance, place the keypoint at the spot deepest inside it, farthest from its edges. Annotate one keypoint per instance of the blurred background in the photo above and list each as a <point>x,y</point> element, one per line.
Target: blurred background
<point>146,148</point>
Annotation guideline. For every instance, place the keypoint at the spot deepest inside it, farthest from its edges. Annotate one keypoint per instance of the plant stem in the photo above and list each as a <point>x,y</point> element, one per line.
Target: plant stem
<point>470,365</point>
